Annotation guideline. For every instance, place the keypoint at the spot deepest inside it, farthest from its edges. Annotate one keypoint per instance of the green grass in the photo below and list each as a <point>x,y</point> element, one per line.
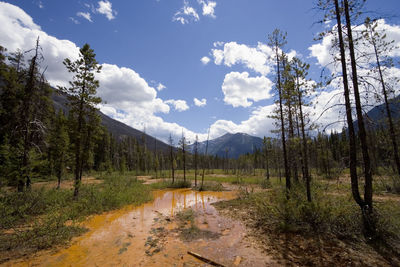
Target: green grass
<point>167,183</point>
<point>232,179</point>
<point>216,175</point>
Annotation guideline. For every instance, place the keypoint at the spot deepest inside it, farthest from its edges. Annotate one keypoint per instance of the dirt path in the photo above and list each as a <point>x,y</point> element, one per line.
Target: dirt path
<point>152,235</point>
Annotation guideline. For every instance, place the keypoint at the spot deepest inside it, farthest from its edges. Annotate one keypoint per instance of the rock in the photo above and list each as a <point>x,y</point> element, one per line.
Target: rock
<point>237,261</point>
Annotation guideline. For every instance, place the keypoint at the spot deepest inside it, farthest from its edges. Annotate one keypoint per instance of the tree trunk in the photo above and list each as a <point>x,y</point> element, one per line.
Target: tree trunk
<point>205,158</point>
<point>304,143</point>
<point>78,153</point>
<point>266,161</point>
<point>292,159</point>
<point>352,138</point>
<point>27,119</point>
<point>184,163</point>
<point>59,173</point>
<point>285,158</point>
<point>367,209</point>
<point>195,168</point>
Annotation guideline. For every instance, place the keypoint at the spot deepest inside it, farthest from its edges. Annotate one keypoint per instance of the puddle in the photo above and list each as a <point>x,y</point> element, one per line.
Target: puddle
<point>119,237</point>
<point>148,235</point>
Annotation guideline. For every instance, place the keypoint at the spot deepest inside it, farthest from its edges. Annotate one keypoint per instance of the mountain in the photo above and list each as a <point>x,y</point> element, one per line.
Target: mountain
<point>118,129</point>
<point>377,116</point>
<point>235,144</point>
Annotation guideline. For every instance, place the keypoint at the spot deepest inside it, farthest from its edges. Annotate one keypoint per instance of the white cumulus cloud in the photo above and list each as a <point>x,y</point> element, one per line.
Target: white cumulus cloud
<point>239,89</point>
<point>258,124</point>
<point>179,105</point>
<point>256,58</point>
<point>123,87</point>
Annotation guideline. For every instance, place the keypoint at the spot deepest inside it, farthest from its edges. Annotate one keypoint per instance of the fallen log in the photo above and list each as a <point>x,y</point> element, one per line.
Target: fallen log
<point>211,262</point>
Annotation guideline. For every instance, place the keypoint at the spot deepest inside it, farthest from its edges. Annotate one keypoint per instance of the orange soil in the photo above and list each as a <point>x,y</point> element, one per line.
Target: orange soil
<point>148,235</point>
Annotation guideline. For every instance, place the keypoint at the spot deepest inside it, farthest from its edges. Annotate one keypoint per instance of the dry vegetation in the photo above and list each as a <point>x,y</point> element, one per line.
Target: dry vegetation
<point>326,232</point>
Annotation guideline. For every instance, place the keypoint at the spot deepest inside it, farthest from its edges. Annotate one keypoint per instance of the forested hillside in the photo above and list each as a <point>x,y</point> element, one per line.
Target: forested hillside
<point>118,129</point>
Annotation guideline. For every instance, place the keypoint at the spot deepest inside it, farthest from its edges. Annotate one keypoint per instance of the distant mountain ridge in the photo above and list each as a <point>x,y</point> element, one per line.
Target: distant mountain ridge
<point>118,129</point>
<point>231,145</point>
<point>377,116</point>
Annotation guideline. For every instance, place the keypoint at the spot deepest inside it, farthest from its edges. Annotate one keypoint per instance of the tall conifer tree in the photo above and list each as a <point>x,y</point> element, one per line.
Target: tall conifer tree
<point>82,100</point>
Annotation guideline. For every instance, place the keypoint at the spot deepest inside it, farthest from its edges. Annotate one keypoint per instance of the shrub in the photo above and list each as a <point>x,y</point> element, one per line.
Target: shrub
<point>180,184</point>
<point>334,214</point>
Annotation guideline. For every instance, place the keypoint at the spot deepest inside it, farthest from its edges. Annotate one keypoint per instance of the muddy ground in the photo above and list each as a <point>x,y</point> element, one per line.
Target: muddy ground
<point>156,234</point>
<point>181,221</point>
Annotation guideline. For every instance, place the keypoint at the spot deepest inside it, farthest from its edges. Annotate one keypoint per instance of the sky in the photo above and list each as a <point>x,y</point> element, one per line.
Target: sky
<point>173,66</point>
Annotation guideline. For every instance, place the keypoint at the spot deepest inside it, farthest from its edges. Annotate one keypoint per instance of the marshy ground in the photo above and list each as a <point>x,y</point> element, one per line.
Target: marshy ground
<point>240,221</point>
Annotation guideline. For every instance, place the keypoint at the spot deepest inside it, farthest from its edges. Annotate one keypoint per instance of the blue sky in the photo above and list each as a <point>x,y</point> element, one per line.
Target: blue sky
<point>152,44</point>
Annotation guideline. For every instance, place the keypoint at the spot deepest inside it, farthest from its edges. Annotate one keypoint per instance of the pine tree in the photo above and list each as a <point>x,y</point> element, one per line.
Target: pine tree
<point>30,93</point>
<point>366,205</point>
<point>9,163</point>
<point>82,100</point>
<point>336,12</point>
<point>58,146</point>
<point>182,145</point>
<point>382,48</point>
<point>196,156</point>
<point>266,148</point>
<point>205,160</point>
<point>300,72</point>
<point>288,94</point>
<point>172,157</point>
<point>11,89</point>
<point>277,40</point>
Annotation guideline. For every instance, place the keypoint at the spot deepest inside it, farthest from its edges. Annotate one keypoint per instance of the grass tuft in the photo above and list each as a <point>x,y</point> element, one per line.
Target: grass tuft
<point>210,186</point>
